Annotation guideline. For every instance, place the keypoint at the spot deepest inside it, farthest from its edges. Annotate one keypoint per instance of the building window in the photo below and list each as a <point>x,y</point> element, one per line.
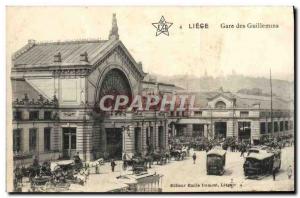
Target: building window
<point>172,113</point>
<point>269,127</point>
<point>32,139</point>
<point>33,115</point>
<point>47,115</point>
<point>244,114</point>
<point>69,138</point>
<point>220,105</point>
<point>17,141</point>
<point>286,125</point>
<point>265,114</point>
<point>281,125</point>
<point>276,127</point>
<point>47,139</point>
<point>262,128</point>
<point>198,113</point>
<point>17,115</point>
<point>291,125</point>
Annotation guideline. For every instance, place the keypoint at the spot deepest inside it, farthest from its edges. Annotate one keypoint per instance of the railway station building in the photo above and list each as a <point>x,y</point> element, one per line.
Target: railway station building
<point>57,86</point>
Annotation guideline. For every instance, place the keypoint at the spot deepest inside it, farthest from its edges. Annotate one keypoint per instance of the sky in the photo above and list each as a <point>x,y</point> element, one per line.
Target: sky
<point>185,51</point>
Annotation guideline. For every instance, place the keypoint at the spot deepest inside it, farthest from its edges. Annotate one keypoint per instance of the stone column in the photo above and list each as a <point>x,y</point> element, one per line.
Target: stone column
<point>156,146</point>
<point>166,135</point>
<point>88,146</point>
<point>205,131</point>
<point>144,137</point>
<point>212,130</point>
<point>25,139</point>
<point>40,140</point>
<point>173,130</point>
<point>255,130</point>
<point>151,134</point>
<point>141,139</point>
<point>129,140</point>
<point>229,130</point>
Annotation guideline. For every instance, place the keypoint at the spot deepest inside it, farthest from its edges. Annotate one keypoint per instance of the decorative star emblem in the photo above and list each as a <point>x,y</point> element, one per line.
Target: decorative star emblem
<point>162,27</point>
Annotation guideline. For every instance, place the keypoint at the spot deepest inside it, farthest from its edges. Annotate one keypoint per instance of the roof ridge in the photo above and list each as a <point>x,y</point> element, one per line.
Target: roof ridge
<point>73,41</point>
<point>31,43</point>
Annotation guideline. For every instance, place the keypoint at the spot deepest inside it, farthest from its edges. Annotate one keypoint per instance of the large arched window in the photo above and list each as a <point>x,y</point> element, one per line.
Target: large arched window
<point>115,83</point>
<point>220,105</point>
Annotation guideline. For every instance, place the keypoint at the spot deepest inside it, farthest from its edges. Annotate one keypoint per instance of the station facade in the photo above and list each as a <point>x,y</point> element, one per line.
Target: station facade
<point>222,114</point>
<point>57,86</point>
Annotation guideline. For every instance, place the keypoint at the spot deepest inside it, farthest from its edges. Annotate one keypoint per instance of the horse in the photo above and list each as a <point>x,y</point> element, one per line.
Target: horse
<point>157,157</point>
<point>95,164</point>
<point>148,159</point>
<point>176,154</point>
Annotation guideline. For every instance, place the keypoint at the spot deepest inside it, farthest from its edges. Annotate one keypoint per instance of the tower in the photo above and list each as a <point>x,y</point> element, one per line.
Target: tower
<point>113,34</point>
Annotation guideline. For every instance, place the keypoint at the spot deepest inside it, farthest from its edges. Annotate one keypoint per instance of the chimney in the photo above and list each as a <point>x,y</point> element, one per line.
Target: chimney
<point>31,41</point>
<point>113,34</point>
<point>84,57</point>
<point>57,58</point>
<point>140,64</point>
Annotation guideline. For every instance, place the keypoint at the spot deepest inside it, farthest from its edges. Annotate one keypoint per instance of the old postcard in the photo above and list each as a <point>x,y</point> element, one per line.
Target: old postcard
<point>150,99</point>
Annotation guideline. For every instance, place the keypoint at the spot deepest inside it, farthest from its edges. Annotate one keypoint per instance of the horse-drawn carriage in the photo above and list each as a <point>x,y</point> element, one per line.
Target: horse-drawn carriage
<point>160,158</point>
<point>67,171</point>
<point>200,144</point>
<point>179,152</point>
<point>57,176</point>
<point>139,166</point>
<point>215,163</point>
<point>50,176</point>
<point>261,162</point>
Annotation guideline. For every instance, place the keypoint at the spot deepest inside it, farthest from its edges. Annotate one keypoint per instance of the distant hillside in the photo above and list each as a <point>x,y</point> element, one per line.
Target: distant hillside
<point>233,83</point>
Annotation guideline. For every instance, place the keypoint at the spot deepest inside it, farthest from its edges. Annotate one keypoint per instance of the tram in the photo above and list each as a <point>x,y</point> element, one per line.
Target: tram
<point>215,164</point>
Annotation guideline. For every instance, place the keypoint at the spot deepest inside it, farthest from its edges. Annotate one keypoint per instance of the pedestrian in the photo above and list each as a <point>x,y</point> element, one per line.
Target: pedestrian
<point>243,149</point>
<point>274,173</point>
<point>113,164</point>
<point>194,157</point>
<point>290,171</point>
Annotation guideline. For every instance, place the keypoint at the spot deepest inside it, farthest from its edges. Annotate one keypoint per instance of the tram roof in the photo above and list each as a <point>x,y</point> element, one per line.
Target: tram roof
<point>260,156</point>
<point>216,152</point>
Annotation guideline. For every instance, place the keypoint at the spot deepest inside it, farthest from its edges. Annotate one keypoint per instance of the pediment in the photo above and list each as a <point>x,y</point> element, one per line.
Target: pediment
<point>117,54</point>
<point>221,98</point>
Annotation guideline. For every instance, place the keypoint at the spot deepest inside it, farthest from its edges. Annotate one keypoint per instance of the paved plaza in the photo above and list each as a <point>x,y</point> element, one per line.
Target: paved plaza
<point>186,176</point>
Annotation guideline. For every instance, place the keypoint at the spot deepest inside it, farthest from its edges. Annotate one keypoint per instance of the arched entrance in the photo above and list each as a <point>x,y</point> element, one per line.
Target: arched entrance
<point>114,83</point>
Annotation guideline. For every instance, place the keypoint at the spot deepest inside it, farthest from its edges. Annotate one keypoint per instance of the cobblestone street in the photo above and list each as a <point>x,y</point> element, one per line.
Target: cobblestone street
<point>186,176</point>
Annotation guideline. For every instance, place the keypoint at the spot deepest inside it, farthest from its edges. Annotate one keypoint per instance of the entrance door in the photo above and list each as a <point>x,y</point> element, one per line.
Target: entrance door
<point>198,130</point>
<point>220,130</point>
<point>244,131</point>
<point>161,137</point>
<point>69,142</point>
<point>114,142</point>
